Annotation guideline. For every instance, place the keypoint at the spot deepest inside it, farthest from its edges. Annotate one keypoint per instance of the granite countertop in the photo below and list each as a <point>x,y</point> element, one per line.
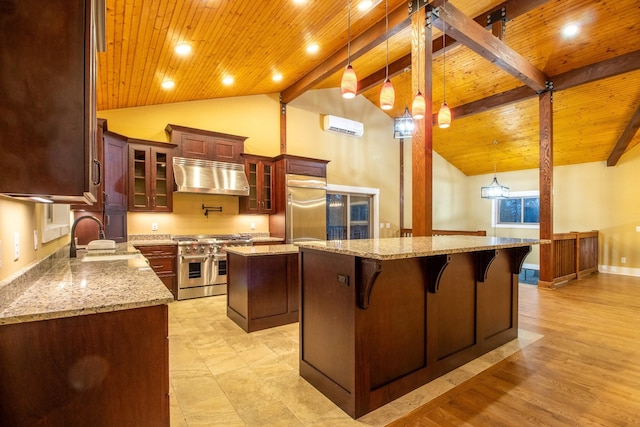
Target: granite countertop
<point>263,250</point>
<point>72,287</point>
<point>412,247</point>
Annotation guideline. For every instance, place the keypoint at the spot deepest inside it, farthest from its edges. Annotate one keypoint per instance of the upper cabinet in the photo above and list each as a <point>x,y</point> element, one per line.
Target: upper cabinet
<point>206,145</point>
<point>47,106</point>
<point>260,174</point>
<point>150,176</point>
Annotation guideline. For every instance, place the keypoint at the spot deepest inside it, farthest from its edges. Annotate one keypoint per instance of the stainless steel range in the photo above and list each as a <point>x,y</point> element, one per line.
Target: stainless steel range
<point>202,263</point>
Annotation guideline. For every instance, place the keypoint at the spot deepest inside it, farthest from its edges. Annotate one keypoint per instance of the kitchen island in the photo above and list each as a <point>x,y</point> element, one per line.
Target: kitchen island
<point>262,286</point>
<point>86,343</point>
<point>381,317</point>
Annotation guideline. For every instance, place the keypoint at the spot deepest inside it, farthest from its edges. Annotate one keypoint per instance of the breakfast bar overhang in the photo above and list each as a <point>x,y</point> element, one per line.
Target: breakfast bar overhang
<point>381,317</point>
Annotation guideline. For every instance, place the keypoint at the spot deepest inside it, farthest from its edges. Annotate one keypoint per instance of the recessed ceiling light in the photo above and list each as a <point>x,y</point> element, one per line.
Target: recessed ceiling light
<point>368,4</point>
<point>227,80</point>
<point>313,48</point>
<point>183,48</point>
<point>570,30</point>
<point>300,1</point>
<point>277,77</point>
<point>168,84</point>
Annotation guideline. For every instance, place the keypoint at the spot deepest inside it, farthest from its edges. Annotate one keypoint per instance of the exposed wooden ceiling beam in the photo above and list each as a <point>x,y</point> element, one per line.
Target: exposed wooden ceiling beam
<point>600,70</point>
<point>625,139</point>
<point>587,74</point>
<point>513,9</point>
<point>476,38</point>
<point>361,44</point>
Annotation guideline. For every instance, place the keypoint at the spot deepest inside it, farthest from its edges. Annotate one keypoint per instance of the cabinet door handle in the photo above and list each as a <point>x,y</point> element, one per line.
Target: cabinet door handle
<point>99,174</point>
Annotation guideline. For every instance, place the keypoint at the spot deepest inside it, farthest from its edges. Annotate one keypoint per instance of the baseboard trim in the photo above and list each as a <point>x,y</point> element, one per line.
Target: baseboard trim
<point>624,271</point>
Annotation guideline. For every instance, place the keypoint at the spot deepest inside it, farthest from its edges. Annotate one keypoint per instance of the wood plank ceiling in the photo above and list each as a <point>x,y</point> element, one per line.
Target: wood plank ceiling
<point>251,41</point>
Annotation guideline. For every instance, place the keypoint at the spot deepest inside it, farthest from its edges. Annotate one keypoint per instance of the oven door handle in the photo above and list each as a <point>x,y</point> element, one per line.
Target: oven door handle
<point>194,257</point>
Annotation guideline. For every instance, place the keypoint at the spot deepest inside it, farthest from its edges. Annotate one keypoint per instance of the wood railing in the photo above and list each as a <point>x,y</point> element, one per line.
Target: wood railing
<point>575,255</point>
<point>408,232</point>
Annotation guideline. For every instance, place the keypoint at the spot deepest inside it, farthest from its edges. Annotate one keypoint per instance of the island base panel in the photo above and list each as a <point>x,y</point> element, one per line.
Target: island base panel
<point>262,291</point>
<point>407,335</point>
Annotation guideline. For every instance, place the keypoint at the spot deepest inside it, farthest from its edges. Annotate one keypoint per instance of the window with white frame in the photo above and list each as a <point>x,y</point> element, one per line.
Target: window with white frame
<point>519,210</point>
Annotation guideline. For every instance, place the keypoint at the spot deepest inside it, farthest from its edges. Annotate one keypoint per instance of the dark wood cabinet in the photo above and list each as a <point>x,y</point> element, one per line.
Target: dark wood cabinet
<point>206,145</point>
<point>47,106</point>
<point>163,259</point>
<point>260,174</point>
<point>104,369</point>
<point>111,207</point>
<point>115,186</point>
<point>150,176</point>
<point>297,165</point>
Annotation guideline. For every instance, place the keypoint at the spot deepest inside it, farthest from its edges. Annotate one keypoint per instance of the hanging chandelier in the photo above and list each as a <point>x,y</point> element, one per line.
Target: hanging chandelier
<point>403,125</point>
<point>494,190</point>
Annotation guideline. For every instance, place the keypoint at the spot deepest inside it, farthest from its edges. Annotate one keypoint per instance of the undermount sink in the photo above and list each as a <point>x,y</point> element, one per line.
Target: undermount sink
<point>110,257</point>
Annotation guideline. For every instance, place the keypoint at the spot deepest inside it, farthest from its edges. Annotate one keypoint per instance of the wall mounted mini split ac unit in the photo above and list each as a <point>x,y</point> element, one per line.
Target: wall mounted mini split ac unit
<point>342,125</point>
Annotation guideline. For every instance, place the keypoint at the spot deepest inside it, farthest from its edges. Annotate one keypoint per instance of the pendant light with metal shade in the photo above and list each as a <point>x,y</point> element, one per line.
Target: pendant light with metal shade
<point>349,83</point>
<point>387,93</point>
<point>494,190</point>
<point>403,125</point>
<point>444,114</point>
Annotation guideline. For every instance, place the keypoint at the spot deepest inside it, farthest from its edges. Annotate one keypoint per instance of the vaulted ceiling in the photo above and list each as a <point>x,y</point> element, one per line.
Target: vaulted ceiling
<point>595,73</point>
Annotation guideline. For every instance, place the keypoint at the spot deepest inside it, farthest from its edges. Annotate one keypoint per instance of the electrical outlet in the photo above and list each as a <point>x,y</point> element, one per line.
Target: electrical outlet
<point>16,246</point>
<point>253,225</point>
<point>35,240</point>
<point>623,260</point>
<point>638,228</point>
<point>382,225</point>
<point>154,226</point>
<point>388,225</point>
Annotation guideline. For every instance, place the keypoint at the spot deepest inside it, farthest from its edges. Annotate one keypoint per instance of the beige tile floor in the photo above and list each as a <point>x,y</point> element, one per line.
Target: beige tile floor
<point>223,376</point>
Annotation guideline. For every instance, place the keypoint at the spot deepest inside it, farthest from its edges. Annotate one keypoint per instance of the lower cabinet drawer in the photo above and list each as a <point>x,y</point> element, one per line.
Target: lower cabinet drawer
<point>162,265</point>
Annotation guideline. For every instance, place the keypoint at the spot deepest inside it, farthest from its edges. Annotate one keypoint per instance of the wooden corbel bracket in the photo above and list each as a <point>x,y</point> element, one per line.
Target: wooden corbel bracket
<point>369,271</point>
<point>435,266</point>
<point>483,262</point>
<point>517,258</point>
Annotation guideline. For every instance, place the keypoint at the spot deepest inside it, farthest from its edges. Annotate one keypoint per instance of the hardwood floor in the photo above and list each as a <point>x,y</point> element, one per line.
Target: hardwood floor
<point>585,371</point>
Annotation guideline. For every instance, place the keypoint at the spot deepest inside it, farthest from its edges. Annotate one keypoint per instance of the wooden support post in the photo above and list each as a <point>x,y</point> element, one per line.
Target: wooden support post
<point>546,188</point>
<point>283,128</point>
<point>422,138</point>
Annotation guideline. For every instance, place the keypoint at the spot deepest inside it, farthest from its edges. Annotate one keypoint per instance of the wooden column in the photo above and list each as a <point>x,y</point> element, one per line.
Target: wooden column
<point>422,138</point>
<point>546,188</point>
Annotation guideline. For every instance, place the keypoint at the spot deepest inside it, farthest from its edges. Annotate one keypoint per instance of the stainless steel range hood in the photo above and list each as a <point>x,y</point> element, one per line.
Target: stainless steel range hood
<point>204,176</point>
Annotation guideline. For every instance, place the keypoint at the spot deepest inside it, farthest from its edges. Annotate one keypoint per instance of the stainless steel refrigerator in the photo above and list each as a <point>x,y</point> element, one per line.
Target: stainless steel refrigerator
<point>306,217</point>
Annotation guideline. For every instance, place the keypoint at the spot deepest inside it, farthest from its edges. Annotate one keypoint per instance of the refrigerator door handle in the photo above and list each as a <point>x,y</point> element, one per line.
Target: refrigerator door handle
<point>290,209</point>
